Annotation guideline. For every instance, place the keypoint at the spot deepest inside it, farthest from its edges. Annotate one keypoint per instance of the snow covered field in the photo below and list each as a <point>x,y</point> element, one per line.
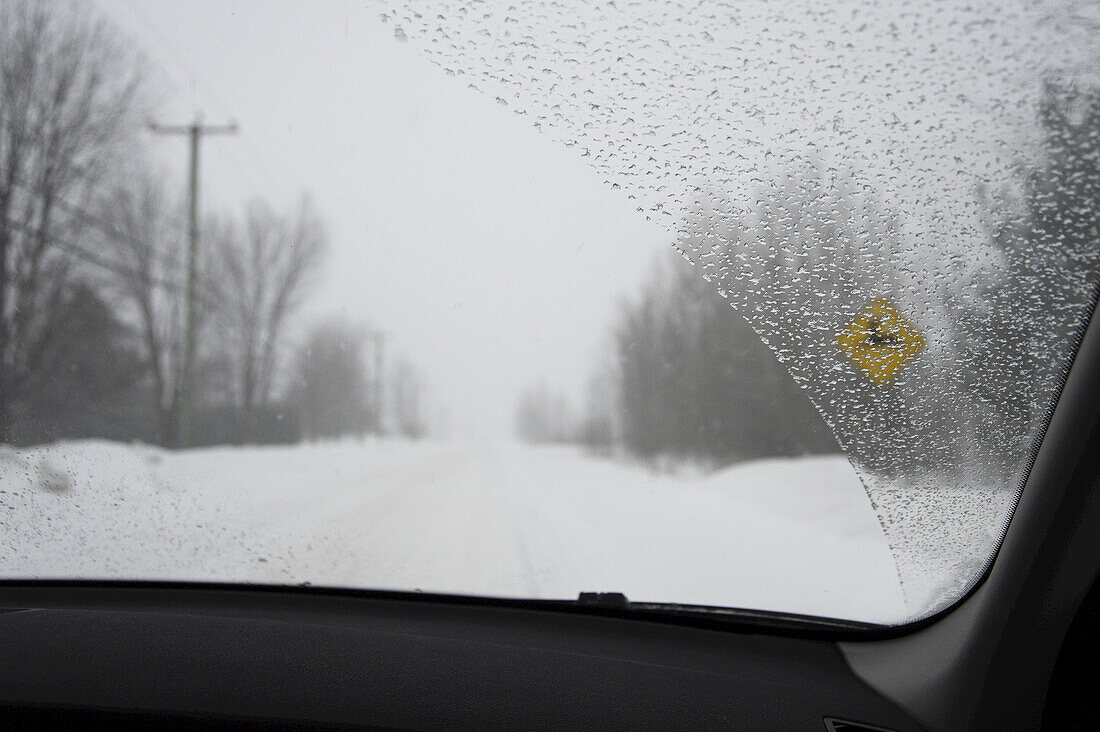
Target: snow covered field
<point>505,520</point>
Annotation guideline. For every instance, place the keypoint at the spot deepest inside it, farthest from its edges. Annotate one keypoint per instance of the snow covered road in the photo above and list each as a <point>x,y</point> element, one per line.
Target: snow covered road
<point>506,520</point>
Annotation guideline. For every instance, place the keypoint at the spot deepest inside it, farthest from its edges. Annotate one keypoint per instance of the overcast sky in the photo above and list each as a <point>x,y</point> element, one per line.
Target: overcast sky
<point>493,256</point>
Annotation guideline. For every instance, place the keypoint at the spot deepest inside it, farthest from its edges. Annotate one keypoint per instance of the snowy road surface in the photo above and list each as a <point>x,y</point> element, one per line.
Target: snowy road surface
<point>506,520</point>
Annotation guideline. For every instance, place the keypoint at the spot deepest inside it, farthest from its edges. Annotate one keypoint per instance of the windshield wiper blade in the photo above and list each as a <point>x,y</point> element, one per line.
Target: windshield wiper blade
<point>733,615</point>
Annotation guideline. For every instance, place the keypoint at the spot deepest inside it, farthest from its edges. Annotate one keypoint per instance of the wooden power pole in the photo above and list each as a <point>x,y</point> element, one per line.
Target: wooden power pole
<point>195,131</point>
<point>379,338</point>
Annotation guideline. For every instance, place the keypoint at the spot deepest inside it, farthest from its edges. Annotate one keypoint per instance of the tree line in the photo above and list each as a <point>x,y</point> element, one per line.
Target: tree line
<point>93,272</point>
<point>689,377</point>
<point>684,378</point>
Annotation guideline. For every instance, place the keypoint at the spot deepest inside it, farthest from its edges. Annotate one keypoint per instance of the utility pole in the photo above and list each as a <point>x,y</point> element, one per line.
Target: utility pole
<point>379,338</point>
<point>195,131</point>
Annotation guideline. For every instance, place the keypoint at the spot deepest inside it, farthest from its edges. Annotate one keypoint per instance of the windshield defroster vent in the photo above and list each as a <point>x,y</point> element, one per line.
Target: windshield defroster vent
<point>839,725</point>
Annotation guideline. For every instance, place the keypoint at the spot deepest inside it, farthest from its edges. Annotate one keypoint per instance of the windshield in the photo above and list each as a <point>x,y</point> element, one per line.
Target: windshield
<point>746,305</point>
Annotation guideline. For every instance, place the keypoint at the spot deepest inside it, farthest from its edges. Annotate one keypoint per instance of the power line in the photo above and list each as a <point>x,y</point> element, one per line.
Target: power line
<point>110,231</point>
<point>93,258</point>
<point>201,93</point>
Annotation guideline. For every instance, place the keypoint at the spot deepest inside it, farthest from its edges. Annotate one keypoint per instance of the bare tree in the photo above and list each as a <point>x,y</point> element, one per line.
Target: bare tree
<point>692,379</point>
<point>142,229</point>
<point>265,271</point>
<point>250,279</point>
<point>68,97</point>
<point>330,387</point>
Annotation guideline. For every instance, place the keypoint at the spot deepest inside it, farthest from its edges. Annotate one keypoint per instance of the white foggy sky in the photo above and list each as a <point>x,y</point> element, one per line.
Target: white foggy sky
<point>493,256</point>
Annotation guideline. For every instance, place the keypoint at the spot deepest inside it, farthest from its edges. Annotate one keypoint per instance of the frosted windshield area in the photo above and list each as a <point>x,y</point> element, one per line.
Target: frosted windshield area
<point>900,199</point>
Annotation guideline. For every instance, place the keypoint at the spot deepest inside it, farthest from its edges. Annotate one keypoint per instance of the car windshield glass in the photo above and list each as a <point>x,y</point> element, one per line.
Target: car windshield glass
<point>739,304</point>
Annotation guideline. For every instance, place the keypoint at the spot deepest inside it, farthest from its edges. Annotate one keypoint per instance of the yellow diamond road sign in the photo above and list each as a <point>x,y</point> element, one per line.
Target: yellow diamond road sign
<point>880,341</point>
